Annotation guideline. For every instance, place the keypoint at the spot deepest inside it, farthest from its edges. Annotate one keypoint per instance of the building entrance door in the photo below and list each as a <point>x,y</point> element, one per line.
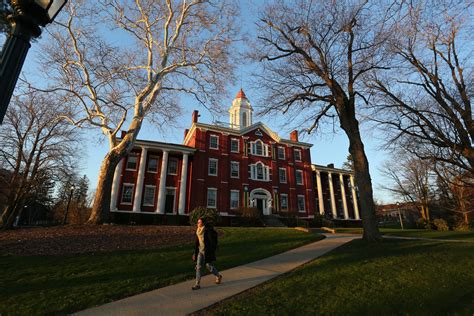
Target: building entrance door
<point>169,201</point>
<point>260,203</point>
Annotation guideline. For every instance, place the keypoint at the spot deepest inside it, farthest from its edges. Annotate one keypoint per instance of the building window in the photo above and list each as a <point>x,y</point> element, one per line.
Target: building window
<point>132,162</point>
<point>234,199</point>
<point>127,193</point>
<point>149,195</point>
<point>260,172</point>
<point>212,170</point>
<point>299,177</point>
<point>234,169</point>
<point>153,165</point>
<point>284,201</point>
<point>297,155</point>
<point>173,166</point>
<point>214,142</point>
<point>282,174</point>
<point>211,198</point>
<point>234,145</point>
<point>244,119</point>
<point>281,153</point>
<point>301,203</point>
<point>258,148</point>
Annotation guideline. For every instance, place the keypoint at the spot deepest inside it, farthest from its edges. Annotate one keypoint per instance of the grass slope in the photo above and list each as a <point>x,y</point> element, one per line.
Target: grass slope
<point>419,233</point>
<point>394,277</point>
<point>38,285</point>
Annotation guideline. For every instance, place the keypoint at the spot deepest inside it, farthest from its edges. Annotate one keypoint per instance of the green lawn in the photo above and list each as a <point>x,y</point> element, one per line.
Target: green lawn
<point>394,277</point>
<point>58,285</point>
<point>422,233</point>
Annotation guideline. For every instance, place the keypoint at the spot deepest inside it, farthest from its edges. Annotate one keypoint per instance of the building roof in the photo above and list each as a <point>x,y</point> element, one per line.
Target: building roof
<point>162,145</point>
<point>241,94</point>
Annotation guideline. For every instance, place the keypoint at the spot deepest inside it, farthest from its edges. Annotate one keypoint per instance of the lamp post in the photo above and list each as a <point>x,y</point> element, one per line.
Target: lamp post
<point>25,22</point>
<point>399,214</point>
<point>68,203</point>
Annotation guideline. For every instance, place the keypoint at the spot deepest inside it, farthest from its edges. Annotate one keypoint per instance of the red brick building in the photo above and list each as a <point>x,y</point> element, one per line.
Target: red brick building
<point>227,167</point>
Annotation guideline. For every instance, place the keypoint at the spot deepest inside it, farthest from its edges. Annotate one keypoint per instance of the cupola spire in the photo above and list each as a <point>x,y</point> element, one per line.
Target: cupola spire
<point>240,111</point>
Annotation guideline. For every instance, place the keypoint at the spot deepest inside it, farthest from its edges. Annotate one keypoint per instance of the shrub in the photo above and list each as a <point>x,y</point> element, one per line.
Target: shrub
<point>211,215</point>
<point>441,225</point>
<point>461,226</point>
<point>317,221</point>
<point>423,224</point>
<point>250,216</point>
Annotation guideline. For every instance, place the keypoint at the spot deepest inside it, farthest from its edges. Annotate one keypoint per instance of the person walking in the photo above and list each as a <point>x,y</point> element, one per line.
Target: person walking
<point>205,251</point>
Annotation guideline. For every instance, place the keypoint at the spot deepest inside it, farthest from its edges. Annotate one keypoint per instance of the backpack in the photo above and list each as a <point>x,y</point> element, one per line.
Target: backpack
<point>213,238</point>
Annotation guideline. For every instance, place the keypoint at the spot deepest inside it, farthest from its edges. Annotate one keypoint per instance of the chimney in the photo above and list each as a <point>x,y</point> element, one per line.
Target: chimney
<point>186,132</point>
<point>294,136</point>
<point>331,165</point>
<point>195,116</point>
<point>122,134</point>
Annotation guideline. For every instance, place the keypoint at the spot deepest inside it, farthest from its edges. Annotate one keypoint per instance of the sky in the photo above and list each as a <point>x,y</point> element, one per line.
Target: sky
<point>327,147</point>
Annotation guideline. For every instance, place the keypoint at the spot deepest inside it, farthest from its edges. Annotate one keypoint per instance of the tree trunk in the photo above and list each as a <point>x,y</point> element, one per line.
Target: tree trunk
<point>101,208</point>
<point>363,181</point>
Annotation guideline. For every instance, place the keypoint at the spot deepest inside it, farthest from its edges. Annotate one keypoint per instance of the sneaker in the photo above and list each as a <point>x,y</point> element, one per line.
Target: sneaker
<point>196,287</point>
<point>219,279</point>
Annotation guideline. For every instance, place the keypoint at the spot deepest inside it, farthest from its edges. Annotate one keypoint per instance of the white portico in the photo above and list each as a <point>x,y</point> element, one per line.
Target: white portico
<point>261,199</point>
<point>336,193</point>
<point>153,178</point>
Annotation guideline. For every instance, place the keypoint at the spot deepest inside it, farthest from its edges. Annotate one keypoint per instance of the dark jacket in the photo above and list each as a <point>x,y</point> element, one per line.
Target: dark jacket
<point>210,244</point>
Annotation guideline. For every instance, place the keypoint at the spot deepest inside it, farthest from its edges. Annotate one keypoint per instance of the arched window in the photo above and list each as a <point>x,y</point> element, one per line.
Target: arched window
<point>260,175</point>
<point>258,148</point>
<point>244,119</point>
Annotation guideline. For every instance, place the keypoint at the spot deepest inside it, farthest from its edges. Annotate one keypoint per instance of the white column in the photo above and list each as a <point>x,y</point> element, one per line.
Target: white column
<point>137,201</point>
<point>320,192</point>
<point>354,199</point>
<point>160,206</point>
<point>343,193</point>
<point>182,186</point>
<point>333,199</point>
<point>116,185</point>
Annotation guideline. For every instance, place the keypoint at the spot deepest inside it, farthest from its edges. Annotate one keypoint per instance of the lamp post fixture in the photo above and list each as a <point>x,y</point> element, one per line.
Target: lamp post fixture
<point>399,214</point>
<point>25,22</point>
<point>68,203</point>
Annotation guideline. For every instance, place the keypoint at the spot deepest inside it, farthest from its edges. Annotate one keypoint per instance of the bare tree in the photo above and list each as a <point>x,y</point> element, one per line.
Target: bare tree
<point>37,146</point>
<point>151,52</point>
<point>425,100</point>
<point>316,56</point>
<point>412,180</point>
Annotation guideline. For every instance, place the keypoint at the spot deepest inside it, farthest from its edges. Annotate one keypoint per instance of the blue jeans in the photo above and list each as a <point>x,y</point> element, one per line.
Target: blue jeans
<point>199,261</point>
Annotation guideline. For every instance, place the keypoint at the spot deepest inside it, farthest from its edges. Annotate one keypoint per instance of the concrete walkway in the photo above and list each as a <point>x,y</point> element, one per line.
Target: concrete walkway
<point>179,299</point>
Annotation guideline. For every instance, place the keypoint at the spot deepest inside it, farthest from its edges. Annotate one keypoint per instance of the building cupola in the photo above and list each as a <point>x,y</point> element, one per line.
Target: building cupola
<point>240,111</point>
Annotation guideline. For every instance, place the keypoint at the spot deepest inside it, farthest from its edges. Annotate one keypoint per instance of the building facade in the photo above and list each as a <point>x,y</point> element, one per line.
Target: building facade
<point>229,167</point>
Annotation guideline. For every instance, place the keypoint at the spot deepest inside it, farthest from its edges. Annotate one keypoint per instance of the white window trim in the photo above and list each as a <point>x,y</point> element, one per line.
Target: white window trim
<point>136,163</point>
<point>154,194</point>
<point>278,152</point>
<point>279,178</point>
<point>265,149</point>
<point>298,204</point>
<point>302,177</point>
<point>238,169</point>
<point>281,197</point>
<point>238,145</point>
<point>209,167</point>
<point>131,198</point>
<point>168,167</point>
<point>266,172</point>
<point>238,199</point>
<point>157,164</point>
<point>297,150</point>
<point>210,143</point>
<point>207,198</point>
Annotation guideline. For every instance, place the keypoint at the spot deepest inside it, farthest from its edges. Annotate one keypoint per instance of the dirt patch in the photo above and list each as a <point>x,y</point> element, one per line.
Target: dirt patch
<point>77,239</point>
